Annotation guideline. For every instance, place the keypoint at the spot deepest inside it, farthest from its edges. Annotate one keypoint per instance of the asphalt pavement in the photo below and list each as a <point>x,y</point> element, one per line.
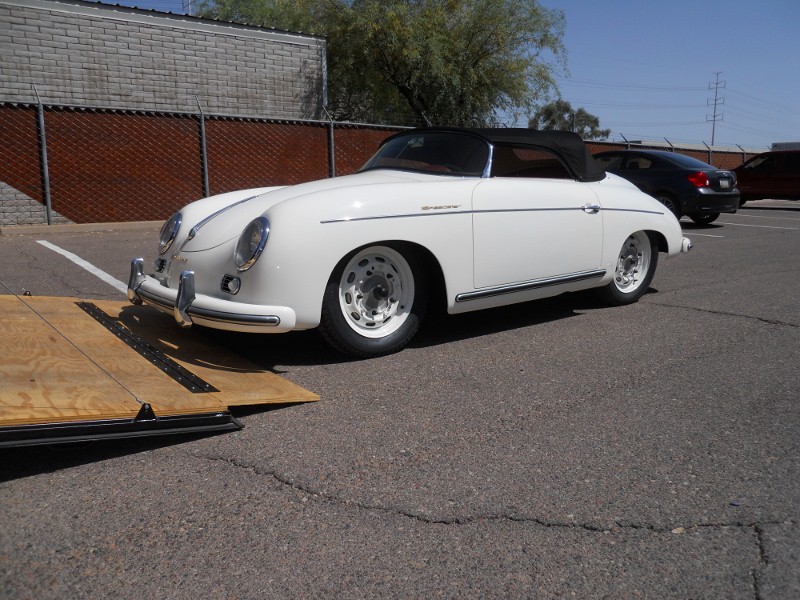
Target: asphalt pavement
<point>550,449</point>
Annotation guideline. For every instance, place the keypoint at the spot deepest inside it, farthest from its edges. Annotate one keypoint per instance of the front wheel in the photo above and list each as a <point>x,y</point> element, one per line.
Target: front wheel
<point>636,265</point>
<point>374,302</point>
<point>704,219</point>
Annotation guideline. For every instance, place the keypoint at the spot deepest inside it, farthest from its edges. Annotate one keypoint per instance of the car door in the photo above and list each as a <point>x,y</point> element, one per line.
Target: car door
<point>758,177</point>
<point>527,228</point>
<point>787,180</point>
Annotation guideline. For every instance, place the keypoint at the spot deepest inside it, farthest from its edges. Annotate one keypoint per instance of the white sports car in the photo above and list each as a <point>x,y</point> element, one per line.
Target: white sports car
<point>473,218</point>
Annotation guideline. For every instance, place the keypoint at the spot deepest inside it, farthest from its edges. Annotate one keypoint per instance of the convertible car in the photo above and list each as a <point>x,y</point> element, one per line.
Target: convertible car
<point>471,218</point>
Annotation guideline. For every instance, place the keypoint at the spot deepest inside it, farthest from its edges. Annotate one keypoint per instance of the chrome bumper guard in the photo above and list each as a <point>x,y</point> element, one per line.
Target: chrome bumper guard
<point>186,292</point>
<point>686,244</point>
<point>182,305</point>
<point>135,280</point>
<point>185,298</point>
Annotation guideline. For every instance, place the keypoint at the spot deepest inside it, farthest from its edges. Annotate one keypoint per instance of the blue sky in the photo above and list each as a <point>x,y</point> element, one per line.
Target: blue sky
<point>645,67</point>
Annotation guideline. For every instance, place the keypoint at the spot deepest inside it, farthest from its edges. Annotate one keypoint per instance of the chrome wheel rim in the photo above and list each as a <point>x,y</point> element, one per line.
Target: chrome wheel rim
<point>376,291</point>
<point>633,263</point>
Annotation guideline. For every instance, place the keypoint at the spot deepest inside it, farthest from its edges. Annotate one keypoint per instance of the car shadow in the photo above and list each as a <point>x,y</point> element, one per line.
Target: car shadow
<point>691,226</point>
<point>442,328</point>
<point>307,348</point>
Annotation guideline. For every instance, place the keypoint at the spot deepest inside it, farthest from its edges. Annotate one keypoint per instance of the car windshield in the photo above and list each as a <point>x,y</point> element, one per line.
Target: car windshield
<point>433,152</point>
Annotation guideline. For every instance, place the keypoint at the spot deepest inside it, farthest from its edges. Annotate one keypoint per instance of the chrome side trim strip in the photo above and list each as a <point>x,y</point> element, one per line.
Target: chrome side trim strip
<point>399,216</point>
<point>530,285</point>
<point>635,210</point>
<point>483,212</point>
<point>441,214</point>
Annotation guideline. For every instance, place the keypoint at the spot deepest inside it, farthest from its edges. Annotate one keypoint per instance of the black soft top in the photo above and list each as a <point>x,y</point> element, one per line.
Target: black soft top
<point>567,145</point>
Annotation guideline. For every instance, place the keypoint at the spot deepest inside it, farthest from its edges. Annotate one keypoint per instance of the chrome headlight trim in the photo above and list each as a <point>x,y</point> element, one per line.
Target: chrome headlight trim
<point>169,231</point>
<point>251,243</point>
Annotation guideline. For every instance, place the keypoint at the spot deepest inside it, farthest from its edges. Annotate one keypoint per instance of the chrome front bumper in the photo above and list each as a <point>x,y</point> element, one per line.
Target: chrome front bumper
<point>188,308</point>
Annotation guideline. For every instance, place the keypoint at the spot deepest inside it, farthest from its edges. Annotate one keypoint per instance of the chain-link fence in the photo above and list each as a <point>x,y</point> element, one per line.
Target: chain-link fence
<point>61,164</point>
<point>722,158</point>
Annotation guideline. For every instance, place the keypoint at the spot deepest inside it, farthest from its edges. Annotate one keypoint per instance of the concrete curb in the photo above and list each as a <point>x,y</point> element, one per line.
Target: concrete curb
<point>78,227</point>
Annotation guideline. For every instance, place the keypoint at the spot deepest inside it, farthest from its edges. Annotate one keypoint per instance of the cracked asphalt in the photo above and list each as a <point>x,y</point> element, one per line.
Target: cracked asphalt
<point>545,450</point>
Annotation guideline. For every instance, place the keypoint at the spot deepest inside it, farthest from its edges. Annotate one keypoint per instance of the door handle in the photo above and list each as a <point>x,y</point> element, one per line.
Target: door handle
<point>591,209</point>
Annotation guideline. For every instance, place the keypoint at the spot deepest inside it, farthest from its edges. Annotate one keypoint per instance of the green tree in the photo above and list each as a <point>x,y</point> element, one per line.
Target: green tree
<point>451,62</point>
<point>561,116</point>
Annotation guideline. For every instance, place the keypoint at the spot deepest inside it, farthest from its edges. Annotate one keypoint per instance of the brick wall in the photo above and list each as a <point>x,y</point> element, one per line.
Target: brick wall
<point>92,54</point>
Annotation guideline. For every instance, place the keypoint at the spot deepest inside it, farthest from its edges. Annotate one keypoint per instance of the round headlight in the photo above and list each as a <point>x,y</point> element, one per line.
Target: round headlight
<point>251,243</point>
<point>168,232</point>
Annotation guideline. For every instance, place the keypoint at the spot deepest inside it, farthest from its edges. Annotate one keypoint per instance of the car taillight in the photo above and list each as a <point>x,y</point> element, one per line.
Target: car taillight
<point>699,179</point>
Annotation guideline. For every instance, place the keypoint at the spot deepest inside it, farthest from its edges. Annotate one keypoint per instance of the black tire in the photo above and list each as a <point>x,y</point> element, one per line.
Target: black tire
<point>705,218</point>
<point>636,266</point>
<point>374,301</point>
<point>670,202</point>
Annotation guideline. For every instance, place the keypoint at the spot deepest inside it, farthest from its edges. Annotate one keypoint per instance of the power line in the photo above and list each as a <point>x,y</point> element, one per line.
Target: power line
<point>632,86</point>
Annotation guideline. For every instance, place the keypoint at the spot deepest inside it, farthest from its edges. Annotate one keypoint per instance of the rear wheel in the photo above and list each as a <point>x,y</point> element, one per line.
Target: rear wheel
<point>374,302</point>
<point>670,202</point>
<point>704,219</point>
<point>636,265</point>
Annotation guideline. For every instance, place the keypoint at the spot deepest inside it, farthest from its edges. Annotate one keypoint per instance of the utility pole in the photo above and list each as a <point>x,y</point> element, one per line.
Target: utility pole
<point>716,86</point>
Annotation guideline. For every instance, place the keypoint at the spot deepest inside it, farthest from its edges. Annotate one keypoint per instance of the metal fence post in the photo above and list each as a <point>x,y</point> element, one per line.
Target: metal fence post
<point>43,157</point>
<point>203,151</point>
<point>331,145</point>
<point>744,154</point>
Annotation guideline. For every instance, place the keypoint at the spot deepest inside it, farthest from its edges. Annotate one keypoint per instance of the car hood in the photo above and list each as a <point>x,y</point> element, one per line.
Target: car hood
<point>216,220</point>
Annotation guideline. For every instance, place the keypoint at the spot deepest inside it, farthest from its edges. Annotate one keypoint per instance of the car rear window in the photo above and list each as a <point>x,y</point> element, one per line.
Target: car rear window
<point>688,162</point>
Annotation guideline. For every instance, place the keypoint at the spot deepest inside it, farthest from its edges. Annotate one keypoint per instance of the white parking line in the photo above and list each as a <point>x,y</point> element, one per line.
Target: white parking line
<point>759,226</point>
<point>695,234</point>
<point>773,217</point>
<point>113,282</point>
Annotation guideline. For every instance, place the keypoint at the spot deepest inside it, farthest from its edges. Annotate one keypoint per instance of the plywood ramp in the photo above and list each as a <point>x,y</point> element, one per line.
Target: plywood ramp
<point>65,360</point>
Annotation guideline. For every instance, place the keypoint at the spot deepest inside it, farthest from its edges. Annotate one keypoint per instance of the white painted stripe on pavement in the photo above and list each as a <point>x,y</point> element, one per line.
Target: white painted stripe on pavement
<point>113,282</point>
<point>773,217</point>
<point>759,226</point>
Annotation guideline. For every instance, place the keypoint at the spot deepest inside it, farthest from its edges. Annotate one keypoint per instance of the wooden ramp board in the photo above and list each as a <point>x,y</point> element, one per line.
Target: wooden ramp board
<point>64,360</point>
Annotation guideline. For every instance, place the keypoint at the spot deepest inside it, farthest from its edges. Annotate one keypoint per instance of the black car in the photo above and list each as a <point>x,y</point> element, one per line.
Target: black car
<point>770,175</point>
<point>685,185</point>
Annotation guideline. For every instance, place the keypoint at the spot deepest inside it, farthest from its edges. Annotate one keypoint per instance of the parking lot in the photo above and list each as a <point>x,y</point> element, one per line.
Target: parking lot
<point>551,449</point>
